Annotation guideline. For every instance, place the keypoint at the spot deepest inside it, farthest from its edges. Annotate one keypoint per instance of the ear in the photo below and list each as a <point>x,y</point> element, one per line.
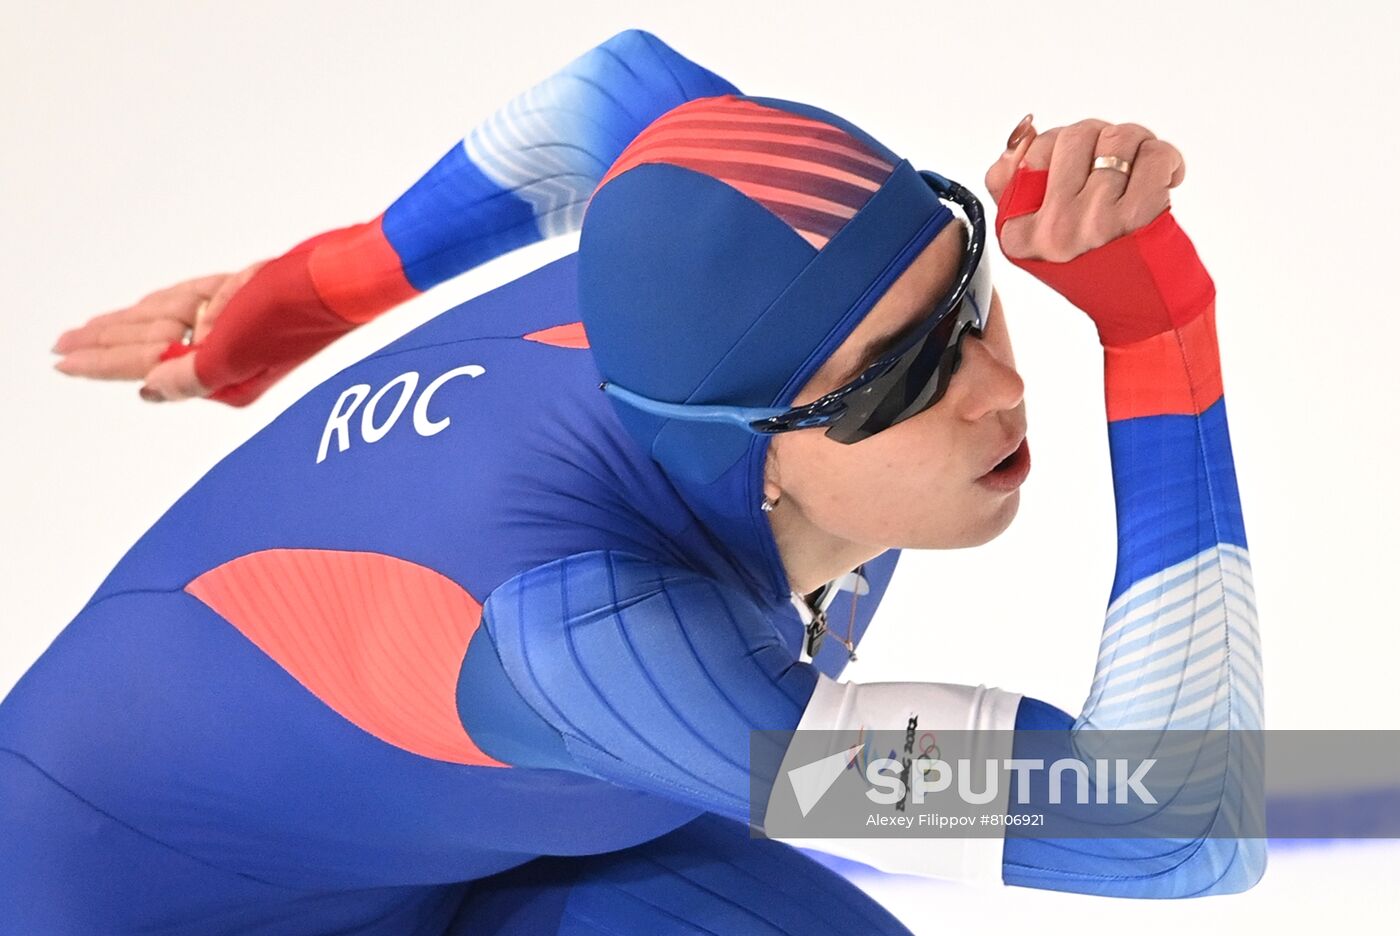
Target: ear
<point>772,488</point>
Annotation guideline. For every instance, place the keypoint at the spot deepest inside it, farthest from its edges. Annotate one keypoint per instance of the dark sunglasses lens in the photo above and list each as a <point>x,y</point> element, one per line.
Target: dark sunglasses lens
<point>915,382</point>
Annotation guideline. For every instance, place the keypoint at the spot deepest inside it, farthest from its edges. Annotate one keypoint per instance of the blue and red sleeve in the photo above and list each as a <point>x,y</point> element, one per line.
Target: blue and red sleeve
<point>1179,649</point>
<point>523,174</point>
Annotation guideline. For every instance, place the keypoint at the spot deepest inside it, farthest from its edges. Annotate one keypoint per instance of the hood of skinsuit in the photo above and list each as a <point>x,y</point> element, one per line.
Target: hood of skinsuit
<point>726,253</point>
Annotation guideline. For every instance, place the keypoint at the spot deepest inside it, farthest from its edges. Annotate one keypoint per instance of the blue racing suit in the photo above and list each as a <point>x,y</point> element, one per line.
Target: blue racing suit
<point>443,649</point>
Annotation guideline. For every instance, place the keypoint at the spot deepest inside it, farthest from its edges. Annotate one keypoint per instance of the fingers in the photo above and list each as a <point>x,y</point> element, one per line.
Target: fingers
<point>127,344</point>
<point>203,321</point>
<point>1039,153</point>
<point>85,335</point>
<point>1179,172</point>
<point>999,175</point>
<point>91,337</point>
<point>1120,140</point>
<point>174,379</point>
<point>176,303</point>
<point>124,362</point>
<point>1014,235</point>
<point>1073,152</point>
<point>172,312</point>
<point>115,352</point>
<point>206,285</point>
<point>1146,195</point>
<point>1083,206</point>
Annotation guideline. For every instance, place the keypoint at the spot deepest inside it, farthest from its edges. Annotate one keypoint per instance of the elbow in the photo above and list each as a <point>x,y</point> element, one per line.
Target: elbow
<point>1136,868</point>
<point>669,75</point>
<point>1145,868</point>
<point>1210,867</point>
<point>1227,866</point>
<point>629,44</point>
<point>630,36</point>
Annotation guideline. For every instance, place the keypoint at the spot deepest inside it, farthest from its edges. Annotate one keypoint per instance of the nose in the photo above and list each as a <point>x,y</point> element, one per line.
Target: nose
<point>983,382</point>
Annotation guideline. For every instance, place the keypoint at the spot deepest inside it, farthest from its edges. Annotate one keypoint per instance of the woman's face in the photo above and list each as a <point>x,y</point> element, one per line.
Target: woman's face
<point>914,485</point>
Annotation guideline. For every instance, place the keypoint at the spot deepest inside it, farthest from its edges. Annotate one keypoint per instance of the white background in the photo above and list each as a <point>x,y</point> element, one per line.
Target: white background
<point>144,143</point>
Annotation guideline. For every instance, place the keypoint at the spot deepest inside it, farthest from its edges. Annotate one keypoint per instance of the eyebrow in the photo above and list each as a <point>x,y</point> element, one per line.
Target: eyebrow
<point>879,344</point>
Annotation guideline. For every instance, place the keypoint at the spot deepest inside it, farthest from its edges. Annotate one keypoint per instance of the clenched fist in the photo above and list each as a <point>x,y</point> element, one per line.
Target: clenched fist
<point>1083,207</point>
<point>1104,239</point>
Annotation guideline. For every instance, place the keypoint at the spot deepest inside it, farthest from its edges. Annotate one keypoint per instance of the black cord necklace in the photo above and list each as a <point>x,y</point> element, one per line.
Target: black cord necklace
<point>817,603</point>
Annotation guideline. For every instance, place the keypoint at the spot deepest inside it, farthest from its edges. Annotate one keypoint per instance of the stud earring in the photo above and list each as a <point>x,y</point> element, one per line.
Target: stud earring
<point>767,505</point>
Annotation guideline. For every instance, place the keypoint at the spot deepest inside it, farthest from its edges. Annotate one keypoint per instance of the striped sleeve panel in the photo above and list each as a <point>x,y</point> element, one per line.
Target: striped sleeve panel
<point>1179,650</point>
<point>1180,645</point>
<point>521,175</point>
<point>654,676</point>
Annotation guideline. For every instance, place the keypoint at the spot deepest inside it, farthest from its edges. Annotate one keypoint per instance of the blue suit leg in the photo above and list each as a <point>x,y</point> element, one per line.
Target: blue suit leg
<point>708,876</point>
<point>160,774</point>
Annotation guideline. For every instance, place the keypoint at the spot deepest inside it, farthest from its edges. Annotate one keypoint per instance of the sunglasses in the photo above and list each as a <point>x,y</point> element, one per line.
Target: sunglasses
<point>902,382</point>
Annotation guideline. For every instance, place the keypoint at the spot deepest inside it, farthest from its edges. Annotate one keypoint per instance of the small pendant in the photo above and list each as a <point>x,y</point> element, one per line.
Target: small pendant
<point>816,633</point>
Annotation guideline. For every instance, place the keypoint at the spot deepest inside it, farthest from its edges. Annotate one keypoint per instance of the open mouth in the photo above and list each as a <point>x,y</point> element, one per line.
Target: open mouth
<point>1011,470</point>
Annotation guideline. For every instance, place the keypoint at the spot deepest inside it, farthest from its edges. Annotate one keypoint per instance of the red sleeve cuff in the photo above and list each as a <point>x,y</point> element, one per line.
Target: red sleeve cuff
<point>1141,284</point>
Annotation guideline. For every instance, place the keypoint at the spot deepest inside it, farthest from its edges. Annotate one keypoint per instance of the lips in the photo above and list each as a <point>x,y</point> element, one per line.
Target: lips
<point>1011,448</point>
<point>1009,473</point>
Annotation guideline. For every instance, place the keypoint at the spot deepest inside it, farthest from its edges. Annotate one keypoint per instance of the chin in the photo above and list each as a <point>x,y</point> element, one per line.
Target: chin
<point>978,531</point>
<point>1002,518</point>
<point>985,529</point>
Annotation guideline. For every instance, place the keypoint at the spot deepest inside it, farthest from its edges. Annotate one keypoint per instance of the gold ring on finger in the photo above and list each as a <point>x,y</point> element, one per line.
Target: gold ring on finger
<point>1113,162</point>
